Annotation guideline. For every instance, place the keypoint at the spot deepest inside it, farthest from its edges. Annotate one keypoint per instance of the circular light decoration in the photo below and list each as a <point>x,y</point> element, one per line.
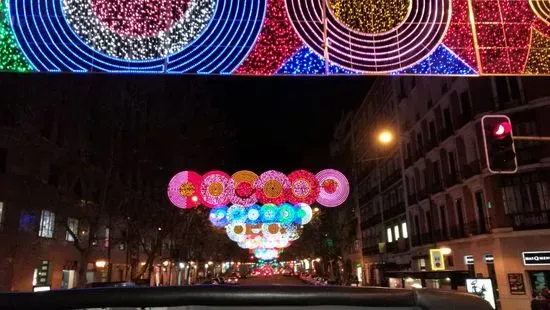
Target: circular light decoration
<point>253,214</point>
<point>334,188</point>
<point>271,231</point>
<point>236,231</point>
<point>170,36</point>
<point>271,187</point>
<point>236,214</point>
<point>303,187</point>
<point>266,254</point>
<point>405,44</point>
<point>291,231</point>
<point>286,213</point>
<point>216,189</point>
<point>218,216</point>
<point>304,214</point>
<point>245,192</point>
<point>269,213</point>
<point>183,189</point>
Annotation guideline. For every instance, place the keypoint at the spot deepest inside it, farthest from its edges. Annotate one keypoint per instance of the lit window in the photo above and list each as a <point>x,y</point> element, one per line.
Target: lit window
<point>396,231</point>
<point>404,230</point>
<point>2,211</point>
<point>72,224</point>
<point>47,224</point>
<point>390,237</point>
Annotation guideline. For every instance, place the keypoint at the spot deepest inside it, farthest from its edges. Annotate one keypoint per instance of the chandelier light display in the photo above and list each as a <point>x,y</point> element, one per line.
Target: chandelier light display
<point>264,213</point>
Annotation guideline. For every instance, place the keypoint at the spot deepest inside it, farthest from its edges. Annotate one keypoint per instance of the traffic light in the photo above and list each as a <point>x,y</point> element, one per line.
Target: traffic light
<point>500,151</point>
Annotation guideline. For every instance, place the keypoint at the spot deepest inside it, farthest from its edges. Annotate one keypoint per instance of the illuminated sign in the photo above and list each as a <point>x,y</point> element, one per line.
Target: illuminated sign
<point>437,260</point>
<point>468,260</point>
<point>536,258</point>
<point>482,288</point>
<point>276,37</point>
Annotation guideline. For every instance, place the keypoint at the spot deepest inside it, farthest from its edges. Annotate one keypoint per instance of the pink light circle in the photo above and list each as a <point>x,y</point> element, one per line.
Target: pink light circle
<point>184,189</point>
<point>265,194</point>
<point>334,188</point>
<point>216,189</point>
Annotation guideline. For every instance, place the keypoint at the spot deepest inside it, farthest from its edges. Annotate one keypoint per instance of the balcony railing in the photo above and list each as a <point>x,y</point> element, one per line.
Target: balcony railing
<point>412,199</point>
<point>371,250</point>
<point>463,119</point>
<point>451,179</point>
<point>422,194</point>
<point>531,154</point>
<point>408,162</point>
<point>436,187</point>
<point>445,133</point>
<point>535,220</point>
<point>394,211</point>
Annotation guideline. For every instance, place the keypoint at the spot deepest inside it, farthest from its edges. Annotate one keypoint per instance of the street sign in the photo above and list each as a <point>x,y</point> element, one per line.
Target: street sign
<point>43,273</point>
<point>436,259</point>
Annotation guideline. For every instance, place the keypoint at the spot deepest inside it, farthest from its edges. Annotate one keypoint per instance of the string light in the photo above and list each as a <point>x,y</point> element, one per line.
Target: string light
<point>138,29</point>
<point>216,189</point>
<point>370,16</point>
<point>334,188</point>
<point>271,187</point>
<point>307,62</point>
<point>441,61</point>
<point>303,187</point>
<point>245,193</point>
<point>539,57</point>
<point>276,43</point>
<point>11,58</point>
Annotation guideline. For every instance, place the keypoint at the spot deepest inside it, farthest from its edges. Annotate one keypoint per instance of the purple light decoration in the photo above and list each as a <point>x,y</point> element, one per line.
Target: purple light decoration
<point>334,188</point>
<point>183,189</point>
<point>271,187</point>
<point>216,189</point>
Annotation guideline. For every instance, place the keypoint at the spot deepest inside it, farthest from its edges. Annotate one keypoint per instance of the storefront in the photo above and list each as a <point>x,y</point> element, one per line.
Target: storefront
<point>538,279</point>
<point>450,280</point>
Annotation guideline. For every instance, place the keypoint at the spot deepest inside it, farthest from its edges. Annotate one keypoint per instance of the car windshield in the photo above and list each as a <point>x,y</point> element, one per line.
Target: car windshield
<point>344,180</point>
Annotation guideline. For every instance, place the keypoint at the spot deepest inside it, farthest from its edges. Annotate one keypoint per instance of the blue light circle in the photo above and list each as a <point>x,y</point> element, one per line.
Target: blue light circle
<point>286,213</point>
<point>236,214</point>
<point>269,213</point>
<point>218,216</point>
<point>50,44</point>
<point>253,214</point>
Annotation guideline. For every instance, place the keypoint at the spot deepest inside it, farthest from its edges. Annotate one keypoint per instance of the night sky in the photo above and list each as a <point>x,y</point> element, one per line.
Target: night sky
<point>286,123</point>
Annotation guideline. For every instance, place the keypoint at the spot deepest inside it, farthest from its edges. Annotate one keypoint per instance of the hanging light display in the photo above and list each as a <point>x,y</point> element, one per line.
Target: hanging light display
<point>183,189</point>
<point>334,188</point>
<point>216,189</point>
<point>263,229</point>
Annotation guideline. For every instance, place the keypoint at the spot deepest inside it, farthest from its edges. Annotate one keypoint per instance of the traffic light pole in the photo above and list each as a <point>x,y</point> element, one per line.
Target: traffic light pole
<point>531,138</point>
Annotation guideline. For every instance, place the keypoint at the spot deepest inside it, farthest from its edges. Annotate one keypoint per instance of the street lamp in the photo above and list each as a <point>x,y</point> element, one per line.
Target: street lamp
<point>385,136</point>
<point>315,210</point>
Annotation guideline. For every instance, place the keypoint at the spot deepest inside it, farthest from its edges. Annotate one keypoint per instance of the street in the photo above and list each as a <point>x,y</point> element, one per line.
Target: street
<point>273,280</point>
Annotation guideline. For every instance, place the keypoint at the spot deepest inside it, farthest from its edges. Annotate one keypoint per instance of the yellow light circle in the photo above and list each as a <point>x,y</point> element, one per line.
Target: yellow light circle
<point>273,189</point>
<point>187,189</point>
<point>215,189</point>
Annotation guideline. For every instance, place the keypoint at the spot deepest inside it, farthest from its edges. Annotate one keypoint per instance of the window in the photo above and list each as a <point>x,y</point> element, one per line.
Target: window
<point>2,215</point>
<point>27,221</point>
<point>396,231</point>
<point>47,224</point>
<point>390,237</point>
<point>404,230</point>
<point>72,224</point>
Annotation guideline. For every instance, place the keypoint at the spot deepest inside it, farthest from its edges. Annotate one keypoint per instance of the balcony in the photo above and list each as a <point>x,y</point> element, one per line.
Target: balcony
<point>457,232</point>
<point>422,194</point>
<point>408,162</point>
<point>416,240</point>
<point>445,133</point>
<point>394,211</point>
<point>371,221</point>
<point>527,221</point>
<point>471,169</point>
<point>412,199</point>
<point>463,119</point>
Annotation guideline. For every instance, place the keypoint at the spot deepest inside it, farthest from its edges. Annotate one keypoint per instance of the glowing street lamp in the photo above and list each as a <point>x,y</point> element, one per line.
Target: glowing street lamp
<point>445,251</point>
<point>100,263</point>
<point>385,137</point>
<point>315,210</point>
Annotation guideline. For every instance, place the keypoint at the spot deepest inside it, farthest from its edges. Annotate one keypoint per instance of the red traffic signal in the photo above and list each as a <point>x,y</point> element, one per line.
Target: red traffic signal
<point>498,140</point>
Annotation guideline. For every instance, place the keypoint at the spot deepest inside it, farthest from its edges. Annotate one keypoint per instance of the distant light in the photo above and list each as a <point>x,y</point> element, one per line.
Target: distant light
<point>182,265</point>
<point>100,263</point>
<point>165,263</point>
<point>160,229</point>
<point>142,263</point>
<point>205,266</point>
<point>416,285</point>
<point>194,198</point>
<point>315,209</point>
<point>317,259</point>
<point>210,262</point>
<point>502,129</point>
<point>447,279</point>
<point>44,288</point>
<point>445,251</point>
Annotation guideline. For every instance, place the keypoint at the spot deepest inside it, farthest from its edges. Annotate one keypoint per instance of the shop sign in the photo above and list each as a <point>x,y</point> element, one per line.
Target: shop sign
<point>43,273</point>
<point>489,258</point>
<point>536,258</point>
<point>436,259</point>
<point>469,259</point>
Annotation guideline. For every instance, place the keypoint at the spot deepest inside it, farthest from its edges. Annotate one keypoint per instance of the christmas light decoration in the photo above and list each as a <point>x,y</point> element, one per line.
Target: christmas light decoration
<point>218,216</point>
<point>539,57</point>
<point>183,189</point>
<point>271,186</point>
<point>303,187</point>
<point>269,213</point>
<point>11,59</point>
<point>441,61</point>
<point>403,46</point>
<point>287,213</point>
<point>236,214</point>
<point>334,188</point>
<point>304,214</point>
<point>266,254</point>
<point>253,214</point>
<point>236,231</point>
<point>305,61</point>
<point>216,189</point>
<point>245,192</point>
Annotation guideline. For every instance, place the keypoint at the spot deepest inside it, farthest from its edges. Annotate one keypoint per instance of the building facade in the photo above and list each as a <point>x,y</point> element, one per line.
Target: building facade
<point>451,200</point>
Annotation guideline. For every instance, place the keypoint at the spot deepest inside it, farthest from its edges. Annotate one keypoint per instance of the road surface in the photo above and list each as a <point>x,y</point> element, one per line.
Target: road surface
<point>273,280</point>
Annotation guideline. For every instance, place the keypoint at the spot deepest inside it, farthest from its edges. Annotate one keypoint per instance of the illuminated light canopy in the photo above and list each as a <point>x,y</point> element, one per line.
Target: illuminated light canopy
<point>266,254</point>
<point>183,189</point>
<point>287,213</point>
<point>253,214</point>
<point>303,187</point>
<point>334,188</point>
<point>245,192</point>
<point>236,231</point>
<point>11,58</point>
<point>304,214</point>
<point>269,213</point>
<point>236,214</point>
<point>271,187</point>
<point>216,189</point>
